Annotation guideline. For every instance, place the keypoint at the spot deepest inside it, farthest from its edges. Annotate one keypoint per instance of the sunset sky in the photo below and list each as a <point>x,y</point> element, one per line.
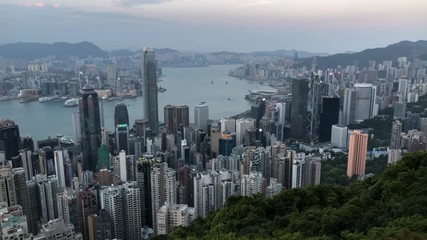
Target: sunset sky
<point>212,25</point>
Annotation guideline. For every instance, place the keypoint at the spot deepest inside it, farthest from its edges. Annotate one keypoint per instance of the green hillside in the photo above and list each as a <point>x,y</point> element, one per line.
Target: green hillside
<point>392,205</point>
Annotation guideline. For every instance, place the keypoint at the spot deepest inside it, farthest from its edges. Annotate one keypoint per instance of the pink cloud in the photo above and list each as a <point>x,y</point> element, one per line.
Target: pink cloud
<point>39,4</point>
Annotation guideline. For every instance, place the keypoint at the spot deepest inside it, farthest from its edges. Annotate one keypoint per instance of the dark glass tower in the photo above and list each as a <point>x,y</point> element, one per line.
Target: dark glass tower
<point>121,115</point>
<point>10,140</point>
<point>328,117</point>
<point>299,108</point>
<point>149,88</point>
<point>90,125</point>
<point>176,117</point>
<point>143,178</point>
<point>121,121</point>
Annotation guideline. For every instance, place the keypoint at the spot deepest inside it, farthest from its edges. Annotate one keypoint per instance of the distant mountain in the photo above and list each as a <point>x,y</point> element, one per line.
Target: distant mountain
<point>288,53</point>
<point>59,49</point>
<point>391,52</point>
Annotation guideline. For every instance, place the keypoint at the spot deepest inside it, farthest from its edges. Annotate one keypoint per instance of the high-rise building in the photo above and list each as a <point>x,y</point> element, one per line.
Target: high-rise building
<point>68,208</point>
<point>149,88</point>
<point>279,118</point>
<point>328,117</point>
<point>399,110</point>
<point>88,206</point>
<point>132,203</point>
<point>366,106</point>
<point>176,117</point>
<point>7,185</point>
<point>121,115</point>
<point>357,148</point>
<point>299,103</point>
<point>201,116</point>
<point>299,170</point>
<point>396,130</point>
<point>111,74</point>
<point>163,188</point>
<point>90,123</point>
<point>171,216</point>
<point>206,186</point>
<point>59,158</point>
<point>143,178</point>
<point>241,126</point>
<point>48,190</point>
<point>27,163</point>
<point>403,90</point>
<point>77,132</point>
<point>10,140</point>
<point>100,226</point>
<point>228,124</point>
<point>252,184</point>
<point>57,229</point>
<point>339,135</point>
<point>349,106</point>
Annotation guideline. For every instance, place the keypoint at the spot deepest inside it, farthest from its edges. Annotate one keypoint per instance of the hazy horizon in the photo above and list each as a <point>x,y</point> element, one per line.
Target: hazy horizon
<point>331,26</point>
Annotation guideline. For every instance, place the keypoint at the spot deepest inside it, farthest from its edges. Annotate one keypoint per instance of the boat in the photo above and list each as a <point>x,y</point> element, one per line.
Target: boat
<point>212,82</point>
<point>161,89</point>
<point>226,82</point>
<point>73,102</point>
<point>49,98</point>
<point>229,99</point>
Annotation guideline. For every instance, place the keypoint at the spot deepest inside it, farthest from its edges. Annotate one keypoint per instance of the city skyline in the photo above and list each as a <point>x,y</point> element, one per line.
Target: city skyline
<point>215,25</point>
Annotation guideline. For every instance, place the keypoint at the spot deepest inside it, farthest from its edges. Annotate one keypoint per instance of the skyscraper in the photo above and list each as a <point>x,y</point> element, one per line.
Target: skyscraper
<point>176,117</point>
<point>90,123</point>
<point>366,106</point>
<point>349,106</point>
<point>121,115</point>
<point>339,135</point>
<point>149,88</point>
<point>299,108</point>
<point>10,140</point>
<point>111,74</point>
<point>357,148</point>
<point>396,129</point>
<point>201,116</point>
<point>328,117</point>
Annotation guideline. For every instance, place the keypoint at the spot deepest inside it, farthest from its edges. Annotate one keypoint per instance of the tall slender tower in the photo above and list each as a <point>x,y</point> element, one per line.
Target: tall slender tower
<point>201,116</point>
<point>90,125</point>
<point>149,84</point>
<point>313,104</point>
<point>357,148</point>
<point>121,123</point>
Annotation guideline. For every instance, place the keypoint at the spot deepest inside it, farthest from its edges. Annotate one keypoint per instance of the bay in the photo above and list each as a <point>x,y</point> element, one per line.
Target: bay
<point>223,94</point>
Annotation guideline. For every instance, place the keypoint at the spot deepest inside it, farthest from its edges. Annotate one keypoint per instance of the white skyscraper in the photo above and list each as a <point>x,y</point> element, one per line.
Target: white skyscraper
<point>122,166</point>
<point>76,126</point>
<point>339,134</point>
<point>403,90</point>
<point>366,106</point>
<point>201,116</point>
<point>241,126</point>
<point>163,188</point>
<point>251,184</point>
<point>228,124</point>
<point>27,164</point>
<point>59,167</point>
<point>299,173</point>
<point>171,216</point>
<point>206,192</point>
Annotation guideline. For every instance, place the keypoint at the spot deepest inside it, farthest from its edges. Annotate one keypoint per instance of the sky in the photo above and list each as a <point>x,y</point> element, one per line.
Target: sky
<point>330,26</point>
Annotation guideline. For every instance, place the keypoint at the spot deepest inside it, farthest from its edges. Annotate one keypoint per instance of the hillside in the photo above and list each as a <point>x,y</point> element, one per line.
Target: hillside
<point>392,52</point>
<point>27,51</point>
<point>392,205</point>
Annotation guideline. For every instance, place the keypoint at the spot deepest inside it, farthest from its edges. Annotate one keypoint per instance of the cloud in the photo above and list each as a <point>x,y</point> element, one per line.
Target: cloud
<point>256,3</point>
<point>39,4</point>
<point>132,3</point>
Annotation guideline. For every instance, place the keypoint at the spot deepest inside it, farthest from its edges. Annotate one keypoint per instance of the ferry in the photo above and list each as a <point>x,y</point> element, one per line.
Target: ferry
<point>49,98</point>
<point>73,102</point>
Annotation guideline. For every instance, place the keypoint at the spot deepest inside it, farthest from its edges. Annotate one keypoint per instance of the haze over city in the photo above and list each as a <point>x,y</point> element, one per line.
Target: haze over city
<point>205,25</point>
